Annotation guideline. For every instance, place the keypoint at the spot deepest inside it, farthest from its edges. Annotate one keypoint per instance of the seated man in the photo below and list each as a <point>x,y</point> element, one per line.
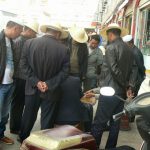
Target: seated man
<point>71,111</point>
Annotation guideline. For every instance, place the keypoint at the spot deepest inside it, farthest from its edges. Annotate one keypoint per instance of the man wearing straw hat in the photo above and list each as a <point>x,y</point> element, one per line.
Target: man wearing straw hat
<point>30,30</point>
<point>116,72</point>
<point>45,61</point>
<point>78,52</point>
<point>7,69</point>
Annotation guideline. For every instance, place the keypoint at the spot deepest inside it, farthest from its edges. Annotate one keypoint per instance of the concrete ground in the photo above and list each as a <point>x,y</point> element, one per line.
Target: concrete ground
<point>130,138</point>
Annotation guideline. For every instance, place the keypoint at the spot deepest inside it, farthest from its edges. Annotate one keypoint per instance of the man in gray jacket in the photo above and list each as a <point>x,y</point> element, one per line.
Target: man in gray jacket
<point>95,60</point>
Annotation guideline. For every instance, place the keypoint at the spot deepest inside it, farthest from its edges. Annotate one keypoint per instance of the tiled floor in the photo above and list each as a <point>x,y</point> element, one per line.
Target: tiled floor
<point>131,138</point>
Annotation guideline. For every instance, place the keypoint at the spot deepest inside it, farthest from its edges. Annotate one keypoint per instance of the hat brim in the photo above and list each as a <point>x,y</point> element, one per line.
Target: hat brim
<point>17,22</point>
<point>64,34</point>
<point>32,29</point>
<point>103,32</point>
<point>78,39</point>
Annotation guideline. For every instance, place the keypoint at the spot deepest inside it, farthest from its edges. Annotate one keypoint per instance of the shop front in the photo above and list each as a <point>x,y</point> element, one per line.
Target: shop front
<point>143,32</point>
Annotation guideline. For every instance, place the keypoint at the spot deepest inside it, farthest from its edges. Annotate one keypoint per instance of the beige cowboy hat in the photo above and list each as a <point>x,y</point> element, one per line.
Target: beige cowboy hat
<point>33,25</point>
<point>17,21</point>
<point>56,27</point>
<point>78,34</point>
<point>113,26</point>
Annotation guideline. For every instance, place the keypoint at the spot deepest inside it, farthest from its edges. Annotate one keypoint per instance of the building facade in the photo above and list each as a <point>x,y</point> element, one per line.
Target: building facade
<point>135,16</point>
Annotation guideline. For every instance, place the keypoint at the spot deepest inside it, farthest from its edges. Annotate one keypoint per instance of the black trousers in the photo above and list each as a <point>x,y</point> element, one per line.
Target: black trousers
<point>107,107</point>
<point>32,105</point>
<point>17,105</point>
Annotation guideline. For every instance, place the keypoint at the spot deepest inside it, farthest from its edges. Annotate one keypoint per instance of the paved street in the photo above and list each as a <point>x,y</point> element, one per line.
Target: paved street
<point>131,138</point>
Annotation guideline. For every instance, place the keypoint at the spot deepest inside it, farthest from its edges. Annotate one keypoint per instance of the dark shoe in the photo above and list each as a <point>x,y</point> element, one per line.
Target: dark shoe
<point>7,140</point>
<point>14,132</point>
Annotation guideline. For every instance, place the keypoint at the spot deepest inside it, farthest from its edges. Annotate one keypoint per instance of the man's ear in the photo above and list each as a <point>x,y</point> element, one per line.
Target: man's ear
<point>15,28</point>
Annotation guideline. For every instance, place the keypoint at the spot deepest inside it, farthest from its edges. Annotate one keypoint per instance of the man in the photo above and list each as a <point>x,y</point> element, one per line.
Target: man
<point>78,52</point>
<point>45,61</point>
<point>71,110</point>
<point>95,60</point>
<point>7,69</point>
<point>17,106</point>
<point>117,73</point>
<point>128,39</point>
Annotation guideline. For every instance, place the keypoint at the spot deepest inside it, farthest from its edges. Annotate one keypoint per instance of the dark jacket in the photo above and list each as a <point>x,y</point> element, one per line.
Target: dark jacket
<point>117,69</point>
<point>82,58</point>
<point>141,68</point>
<point>3,51</point>
<point>70,107</point>
<point>18,46</point>
<point>44,59</point>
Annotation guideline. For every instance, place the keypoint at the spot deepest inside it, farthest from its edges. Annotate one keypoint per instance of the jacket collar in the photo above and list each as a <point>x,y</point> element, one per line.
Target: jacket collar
<point>93,52</point>
<point>49,36</point>
<point>2,35</point>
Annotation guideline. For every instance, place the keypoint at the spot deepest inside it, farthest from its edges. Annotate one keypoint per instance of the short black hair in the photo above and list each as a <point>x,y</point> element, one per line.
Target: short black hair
<point>11,24</point>
<point>96,38</point>
<point>116,32</point>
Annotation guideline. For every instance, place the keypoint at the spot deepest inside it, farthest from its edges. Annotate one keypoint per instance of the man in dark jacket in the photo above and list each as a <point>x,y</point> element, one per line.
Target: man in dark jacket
<point>71,110</point>
<point>17,105</point>
<point>7,69</point>
<point>128,39</point>
<point>78,52</point>
<point>45,61</point>
<point>117,73</point>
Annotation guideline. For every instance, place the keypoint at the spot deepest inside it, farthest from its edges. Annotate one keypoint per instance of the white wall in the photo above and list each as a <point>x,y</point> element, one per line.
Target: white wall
<point>112,4</point>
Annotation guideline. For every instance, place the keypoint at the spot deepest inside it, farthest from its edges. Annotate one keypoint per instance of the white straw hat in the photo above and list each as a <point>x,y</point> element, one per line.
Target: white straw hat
<point>17,21</point>
<point>56,27</point>
<point>113,26</point>
<point>78,34</point>
<point>33,25</point>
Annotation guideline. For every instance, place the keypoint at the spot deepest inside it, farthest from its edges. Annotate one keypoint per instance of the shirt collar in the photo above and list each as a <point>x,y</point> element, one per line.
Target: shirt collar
<point>8,44</point>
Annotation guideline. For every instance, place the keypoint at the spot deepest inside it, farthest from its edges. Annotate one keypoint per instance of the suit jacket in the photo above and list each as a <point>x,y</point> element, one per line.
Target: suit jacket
<point>82,58</point>
<point>18,47</point>
<point>3,54</point>
<point>70,107</point>
<point>44,59</point>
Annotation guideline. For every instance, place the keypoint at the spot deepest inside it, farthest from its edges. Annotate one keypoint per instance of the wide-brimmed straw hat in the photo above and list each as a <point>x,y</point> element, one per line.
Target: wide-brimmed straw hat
<point>56,27</point>
<point>78,34</point>
<point>17,21</point>
<point>33,25</point>
<point>103,32</point>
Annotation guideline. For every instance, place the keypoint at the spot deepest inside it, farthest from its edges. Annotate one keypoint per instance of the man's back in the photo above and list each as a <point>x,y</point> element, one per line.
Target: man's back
<point>117,66</point>
<point>139,60</point>
<point>46,56</point>
<point>44,59</point>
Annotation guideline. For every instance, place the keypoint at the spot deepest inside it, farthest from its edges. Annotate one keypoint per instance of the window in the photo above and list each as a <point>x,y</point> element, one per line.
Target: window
<point>128,23</point>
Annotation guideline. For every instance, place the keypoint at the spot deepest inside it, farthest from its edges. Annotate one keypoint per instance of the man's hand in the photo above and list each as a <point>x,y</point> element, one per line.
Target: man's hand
<point>89,95</point>
<point>87,92</point>
<point>45,86</point>
<point>130,94</point>
<point>42,86</point>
